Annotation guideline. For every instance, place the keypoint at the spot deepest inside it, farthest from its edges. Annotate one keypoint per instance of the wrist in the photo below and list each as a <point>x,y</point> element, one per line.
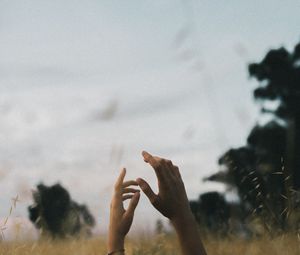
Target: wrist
<point>183,220</point>
<point>115,243</point>
<point>120,252</point>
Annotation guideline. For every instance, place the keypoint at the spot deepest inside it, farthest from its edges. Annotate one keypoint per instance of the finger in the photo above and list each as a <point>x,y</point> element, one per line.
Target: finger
<point>169,162</point>
<point>125,197</point>
<point>148,158</point>
<point>133,203</point>
<point>155,161</point>
<point>145,187</point>
<point>176,172</point>
<point>156,164</point>
<point>129,183</point>
<point>118,184</point>
<point>130,190</point>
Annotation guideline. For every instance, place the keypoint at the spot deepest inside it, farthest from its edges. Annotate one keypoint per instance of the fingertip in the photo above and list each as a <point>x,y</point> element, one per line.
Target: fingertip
<point>140,181</point>
<point>146,155</point>
<point>143,185</point>
<point>123,171</point>
<point>121,177</point>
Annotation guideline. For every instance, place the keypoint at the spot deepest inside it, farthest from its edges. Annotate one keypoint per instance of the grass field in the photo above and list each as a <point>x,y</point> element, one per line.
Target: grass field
<point>159,245</point>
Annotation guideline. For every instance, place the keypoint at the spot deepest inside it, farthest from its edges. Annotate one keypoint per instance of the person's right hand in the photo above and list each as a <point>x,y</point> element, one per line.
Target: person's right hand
<point>171,200</point>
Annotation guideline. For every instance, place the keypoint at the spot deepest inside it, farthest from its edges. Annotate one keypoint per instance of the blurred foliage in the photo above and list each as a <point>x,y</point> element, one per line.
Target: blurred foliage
<point>265,173</point>
<point>56,215</point>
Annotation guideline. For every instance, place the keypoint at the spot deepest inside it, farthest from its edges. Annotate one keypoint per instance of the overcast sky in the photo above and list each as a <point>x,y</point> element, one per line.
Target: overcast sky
<point>86,85</point>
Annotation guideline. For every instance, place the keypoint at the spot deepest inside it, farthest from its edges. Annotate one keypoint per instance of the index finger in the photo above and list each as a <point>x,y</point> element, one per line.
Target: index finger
<point>148,158</point>
<point>155,162</point>
<point>119,182</point>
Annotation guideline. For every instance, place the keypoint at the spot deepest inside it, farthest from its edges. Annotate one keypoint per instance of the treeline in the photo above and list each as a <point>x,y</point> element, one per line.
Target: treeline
<point>265,173</point>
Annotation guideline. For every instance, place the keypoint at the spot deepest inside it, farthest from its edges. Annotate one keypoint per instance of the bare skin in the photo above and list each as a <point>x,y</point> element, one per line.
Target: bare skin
<point>172,202</point>
<point>121,219</point>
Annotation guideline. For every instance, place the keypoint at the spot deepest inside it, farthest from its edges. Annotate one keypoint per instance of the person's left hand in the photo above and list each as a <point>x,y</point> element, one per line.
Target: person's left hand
<point>121,219</point>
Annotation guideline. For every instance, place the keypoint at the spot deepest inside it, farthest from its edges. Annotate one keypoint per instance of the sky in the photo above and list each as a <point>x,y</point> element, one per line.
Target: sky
<point>85,86</point>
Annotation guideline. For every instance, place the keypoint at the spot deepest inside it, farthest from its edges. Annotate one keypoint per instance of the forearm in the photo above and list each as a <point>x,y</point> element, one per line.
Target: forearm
<point>188,235</point>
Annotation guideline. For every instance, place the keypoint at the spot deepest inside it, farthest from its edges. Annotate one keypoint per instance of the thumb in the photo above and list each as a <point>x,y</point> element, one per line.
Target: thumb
<point>145,187</point>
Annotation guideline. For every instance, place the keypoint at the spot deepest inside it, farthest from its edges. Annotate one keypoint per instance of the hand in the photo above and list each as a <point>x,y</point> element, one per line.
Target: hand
<point>121,219</point>
<point>173,203</point>
<point>171,199</point>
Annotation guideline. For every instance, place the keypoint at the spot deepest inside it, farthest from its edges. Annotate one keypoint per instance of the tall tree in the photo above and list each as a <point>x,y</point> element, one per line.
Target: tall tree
<point>266,171</point>
<point>279,77</point>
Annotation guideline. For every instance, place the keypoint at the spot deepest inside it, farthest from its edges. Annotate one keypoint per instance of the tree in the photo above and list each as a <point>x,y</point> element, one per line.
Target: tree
<point>279,77</point>
<point>266,171</point>
<point>57,215</point>
<point>211,211</point>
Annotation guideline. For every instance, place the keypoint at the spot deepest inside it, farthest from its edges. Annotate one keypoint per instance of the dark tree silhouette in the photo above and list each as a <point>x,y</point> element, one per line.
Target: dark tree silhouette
<point>57,215</point>
<point>255,172</point>
<point>266,171</point>
<point>211,211</point>
<point>279,77</point>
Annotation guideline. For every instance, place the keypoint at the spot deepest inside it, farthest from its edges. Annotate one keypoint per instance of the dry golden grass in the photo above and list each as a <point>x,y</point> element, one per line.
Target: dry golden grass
<point>160,245</point>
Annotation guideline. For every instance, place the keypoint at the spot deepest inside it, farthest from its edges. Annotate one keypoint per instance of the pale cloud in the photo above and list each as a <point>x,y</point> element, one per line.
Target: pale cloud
<point>63,63</point>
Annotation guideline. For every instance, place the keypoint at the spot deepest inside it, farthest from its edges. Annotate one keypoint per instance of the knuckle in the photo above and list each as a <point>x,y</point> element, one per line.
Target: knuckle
<point>129,215</point>
<point>156,165</point>
<point>146,189</point>
<point>176,170</point>
<point>169,162</point>
<point>160,161</point>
